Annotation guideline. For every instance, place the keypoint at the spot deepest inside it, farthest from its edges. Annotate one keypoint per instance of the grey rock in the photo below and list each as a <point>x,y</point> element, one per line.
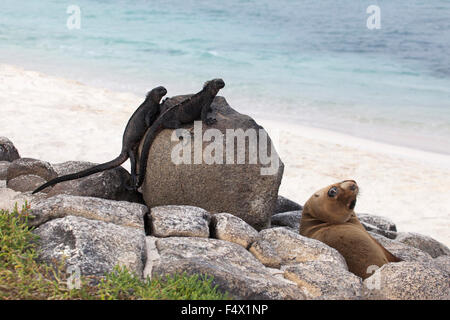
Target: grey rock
<point>233,268</point>
<point>95,247</point>
<point>121,213</point>
<point>380,222</point>
<point>443,263</point>
<point>384,233</point>
<point>286,205</point>
<point>289,219</point>
<point>2,183</point>
<point>321,280</point>
<point>277,246</point>
<point>8,151</point>
<point>4,165</point>
<point>401,250</point>
<point>425,243</point>
<point>407,281</point>
<point>230,228</point>
<point>25,183</point>
<point>239,189</point>
<point>28,166</point>
<point>297,231</point>
<point>109,184</point>
<point>184,221</point>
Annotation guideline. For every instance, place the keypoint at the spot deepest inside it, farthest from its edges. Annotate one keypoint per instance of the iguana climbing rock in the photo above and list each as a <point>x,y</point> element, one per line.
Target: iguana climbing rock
<point>194,108</point>
<point>136,127</point>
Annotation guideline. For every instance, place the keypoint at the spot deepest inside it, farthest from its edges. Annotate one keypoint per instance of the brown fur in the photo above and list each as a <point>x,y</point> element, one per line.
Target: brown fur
<point>333,221</point>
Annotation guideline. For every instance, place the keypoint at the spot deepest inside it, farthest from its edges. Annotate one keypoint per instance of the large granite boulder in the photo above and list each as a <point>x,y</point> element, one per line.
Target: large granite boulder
<point>94,247</point>
<point>8,151</point>
<point>248,190</point>
<point>233,268</point>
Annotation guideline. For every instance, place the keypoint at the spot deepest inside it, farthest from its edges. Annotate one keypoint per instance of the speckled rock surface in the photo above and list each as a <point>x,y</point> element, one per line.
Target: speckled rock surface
<point>230,228</point>
<point>183,221</point>
<point>8,151</point>
<point>321,280</point>
<point>277,246</point>
<point>407,281</point>
<point>443,263</point>
<point>26,166</point>
<point>25,174</point>
<point>425,243</point>
<point>25,183</point>
<point>401,250</point>
<point>4,165</point>
<point>234,269</point>
<point>94,247</point>
<point>122,213</point>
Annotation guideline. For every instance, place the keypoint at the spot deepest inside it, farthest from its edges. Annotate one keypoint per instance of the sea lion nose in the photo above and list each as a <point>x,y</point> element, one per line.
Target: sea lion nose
<point>349,185</point>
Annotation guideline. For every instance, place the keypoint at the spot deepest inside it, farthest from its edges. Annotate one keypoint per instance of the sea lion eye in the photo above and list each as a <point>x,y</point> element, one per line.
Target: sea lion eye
<point>332,192</point>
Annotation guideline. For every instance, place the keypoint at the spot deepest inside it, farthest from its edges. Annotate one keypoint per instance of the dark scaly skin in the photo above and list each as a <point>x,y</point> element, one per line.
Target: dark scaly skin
<point>194,108</point>
<point>136,127</point>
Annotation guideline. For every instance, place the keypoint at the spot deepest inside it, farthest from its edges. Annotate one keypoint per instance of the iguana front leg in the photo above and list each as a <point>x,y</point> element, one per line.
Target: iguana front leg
<point>205,109</point>
<point>150,117</point>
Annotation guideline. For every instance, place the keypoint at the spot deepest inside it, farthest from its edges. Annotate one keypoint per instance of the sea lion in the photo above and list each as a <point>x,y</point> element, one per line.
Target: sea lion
<point>328,216</point>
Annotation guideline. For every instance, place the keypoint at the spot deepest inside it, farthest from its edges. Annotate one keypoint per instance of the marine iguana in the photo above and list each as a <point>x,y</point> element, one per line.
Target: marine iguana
<point>136,127</point>
<point>194,108</point>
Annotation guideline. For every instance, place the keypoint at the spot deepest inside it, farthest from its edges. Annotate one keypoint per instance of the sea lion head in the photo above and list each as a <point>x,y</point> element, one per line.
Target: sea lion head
<point>157,93</point>
<point>335,203</point>
<point>214,85</point>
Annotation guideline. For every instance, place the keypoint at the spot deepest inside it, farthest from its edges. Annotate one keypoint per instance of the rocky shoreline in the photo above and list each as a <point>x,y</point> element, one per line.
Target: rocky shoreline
<point>94,223</point>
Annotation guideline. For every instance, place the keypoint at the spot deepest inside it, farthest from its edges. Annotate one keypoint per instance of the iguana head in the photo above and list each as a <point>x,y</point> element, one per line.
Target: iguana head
<point>214,85</point>
<point>157,93</point>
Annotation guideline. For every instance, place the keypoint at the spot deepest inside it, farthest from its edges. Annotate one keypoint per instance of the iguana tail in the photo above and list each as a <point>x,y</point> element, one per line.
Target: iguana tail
<point>101,167</point>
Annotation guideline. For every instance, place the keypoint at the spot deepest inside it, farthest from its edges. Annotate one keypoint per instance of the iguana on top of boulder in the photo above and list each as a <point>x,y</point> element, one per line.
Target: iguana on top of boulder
<point>136,127</point>
<point>194,108</point>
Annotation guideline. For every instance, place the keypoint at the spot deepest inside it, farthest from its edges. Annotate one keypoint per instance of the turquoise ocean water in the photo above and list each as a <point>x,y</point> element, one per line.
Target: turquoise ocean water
<point>311,62</point>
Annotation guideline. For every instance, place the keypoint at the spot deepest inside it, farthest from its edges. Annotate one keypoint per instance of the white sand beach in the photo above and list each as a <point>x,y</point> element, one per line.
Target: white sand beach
<point>57,120</point>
